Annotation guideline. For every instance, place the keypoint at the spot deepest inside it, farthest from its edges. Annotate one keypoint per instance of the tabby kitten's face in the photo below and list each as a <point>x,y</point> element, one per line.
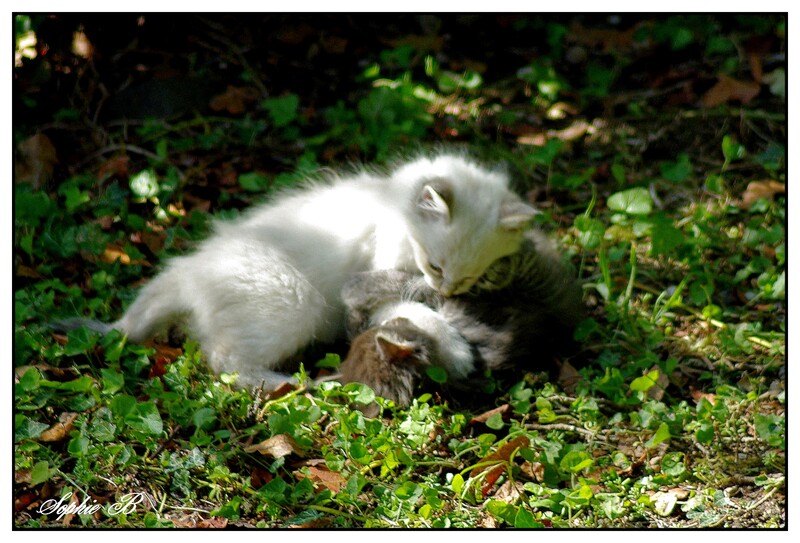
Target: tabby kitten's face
<point>458,236</point>
<point>452,272</point>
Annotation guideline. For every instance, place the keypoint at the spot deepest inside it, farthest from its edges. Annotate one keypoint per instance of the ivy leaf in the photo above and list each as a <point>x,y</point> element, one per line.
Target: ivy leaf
<point>525,519</point>
<point>591,231</point>
<point>457,483</point>
<point>253,182</point>
<point>665,236</point>
<point>41,472</point>
<point>575,461</point>
<point>145,418</point>
<point>408,490</point>
<point>81,384</point>
<point>360,393</point>
<point>635,201</point>
<point>732,150</point>
<point>122,404</point>
<point>644,383</point>
<point>204,418</point>
<point>672,464</point>
<point>436,374</point>
<point>31,207</point>
<point>677,171</point>
<point>74,197</point>
<point>661,435</point>
<point>503,511</point>
<point>112,380</point>
<point>282,110</point>
<point>79,341</point>
<point>771,428</point>
<point>331,361</point>
<point>145,184</point>
<point>30,380</point>
<point>25,428</point>
<point>705,432</point>
<point>495,421</point>
<point>229,510</point>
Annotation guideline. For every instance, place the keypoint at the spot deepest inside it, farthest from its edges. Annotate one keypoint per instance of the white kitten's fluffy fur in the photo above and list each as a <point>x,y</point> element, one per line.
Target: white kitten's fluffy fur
<point>266,285</point>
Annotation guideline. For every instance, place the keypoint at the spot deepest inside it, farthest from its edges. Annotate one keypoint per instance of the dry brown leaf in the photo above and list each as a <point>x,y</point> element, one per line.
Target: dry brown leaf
<point>334,45</point>
<point>61,339</point>
<point>698,395</point>
<point>259,477</point>
<point>510,492</point>
<point>213,522</point>
<point>57,373</point>
<point>196,203</point>
<point>606,39</point>
<point>60,430</point>
<point>496,463</point>
<point>165,355</point>
<point>154,239</point>
<point>25,271</point>
<point>755,190</point>
<point>331,480</point>
<point>114,167</point>
<point>574,131</point>
<point>114,252</point>
<point>316,524</point>
<point>73,505</point>
<point>295,35</point>
<point>308,462</point>
<point>483,417</point>
<point>727,89</point>
<point>234,100</point>
<point>281,390</point>
<point>277,446</point>
<point>23,501</point>
<point>756,67</point>
<point>167,351</point>
<point>191,521</point>
<point>35,160</point>
<point>533,471</point>
<point>568,377</point>
<point>531,138</point>
<point>491,478</point>
<point>502,454</point>
<point>22,476</point>
<point>756,48</point>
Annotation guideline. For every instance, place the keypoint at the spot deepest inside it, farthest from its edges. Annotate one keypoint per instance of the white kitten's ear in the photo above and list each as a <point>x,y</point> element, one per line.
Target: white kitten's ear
<point>516,215</point>
<point>393,347</point>
<point>434,201</point>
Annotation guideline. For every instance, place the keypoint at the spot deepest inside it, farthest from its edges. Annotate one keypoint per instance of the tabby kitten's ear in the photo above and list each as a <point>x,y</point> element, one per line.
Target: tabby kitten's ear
<point>516,215</point>
<point>435,200</point>
<point>393,348</point>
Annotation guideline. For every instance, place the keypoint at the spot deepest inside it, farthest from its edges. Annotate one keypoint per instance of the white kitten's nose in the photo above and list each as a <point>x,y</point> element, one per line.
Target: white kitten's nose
<point>447,289</point>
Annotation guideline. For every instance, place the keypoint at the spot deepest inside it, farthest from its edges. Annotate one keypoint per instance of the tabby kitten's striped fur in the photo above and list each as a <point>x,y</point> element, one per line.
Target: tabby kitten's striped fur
<point>517,314</point>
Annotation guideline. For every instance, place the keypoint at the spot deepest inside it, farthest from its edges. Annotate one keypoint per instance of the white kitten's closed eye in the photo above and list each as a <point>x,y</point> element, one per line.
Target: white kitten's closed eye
<point>435,270</point>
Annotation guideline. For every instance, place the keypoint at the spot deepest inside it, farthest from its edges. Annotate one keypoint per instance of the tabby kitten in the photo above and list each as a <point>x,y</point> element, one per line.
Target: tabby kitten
<point>522,310</point>
<point>391,358</point>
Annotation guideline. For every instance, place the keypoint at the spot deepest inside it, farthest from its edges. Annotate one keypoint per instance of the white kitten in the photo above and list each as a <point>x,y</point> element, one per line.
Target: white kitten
<point>266,285</point>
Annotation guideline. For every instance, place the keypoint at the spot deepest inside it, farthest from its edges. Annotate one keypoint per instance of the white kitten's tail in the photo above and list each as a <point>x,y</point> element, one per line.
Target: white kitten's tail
<point>73,323</point>
<point>159,304</point>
